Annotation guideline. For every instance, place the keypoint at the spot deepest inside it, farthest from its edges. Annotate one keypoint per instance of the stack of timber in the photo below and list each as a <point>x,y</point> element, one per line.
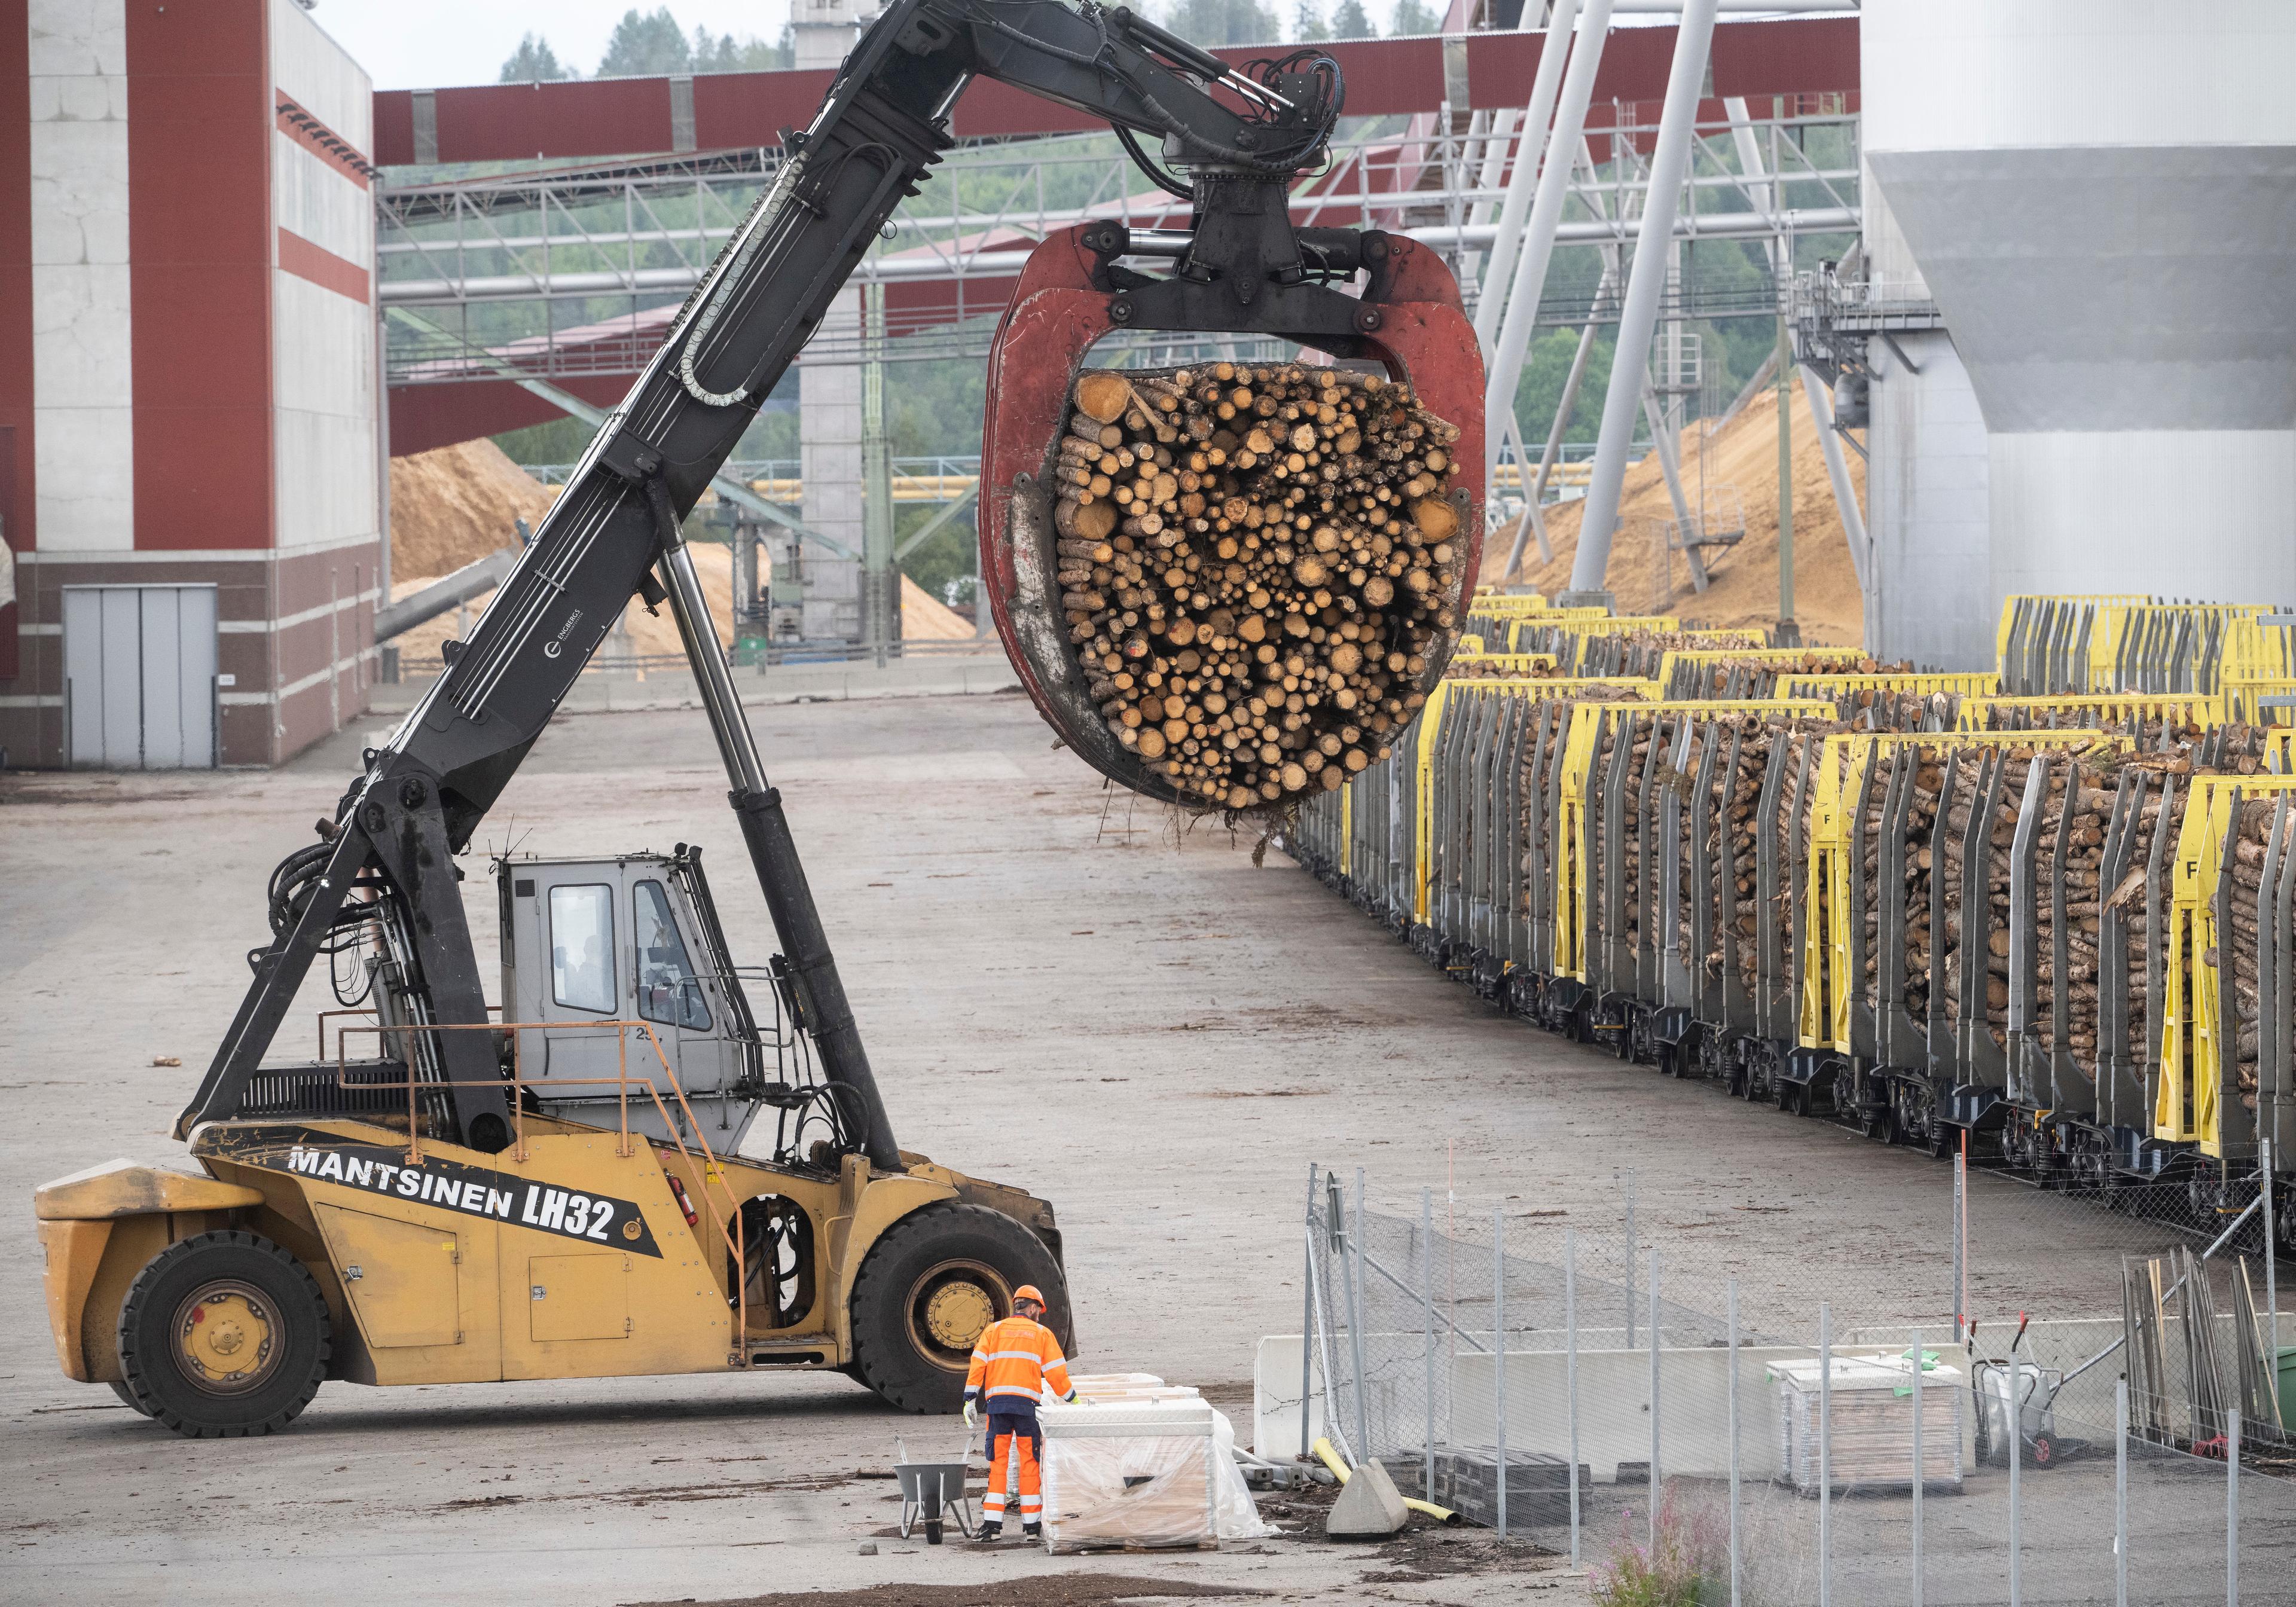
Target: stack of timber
<point>1252,562</point>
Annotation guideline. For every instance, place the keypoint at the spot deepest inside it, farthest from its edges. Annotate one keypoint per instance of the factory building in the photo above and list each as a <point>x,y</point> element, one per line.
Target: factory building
<point>188,403</point>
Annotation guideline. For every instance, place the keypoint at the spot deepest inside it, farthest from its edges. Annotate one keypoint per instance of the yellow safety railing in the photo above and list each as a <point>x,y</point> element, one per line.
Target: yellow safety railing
<point>2198,1046</point>
<point>2072,710</point>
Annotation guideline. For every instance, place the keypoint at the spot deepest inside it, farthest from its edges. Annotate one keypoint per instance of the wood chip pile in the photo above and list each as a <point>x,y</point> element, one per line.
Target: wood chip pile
<point>1254,565</point>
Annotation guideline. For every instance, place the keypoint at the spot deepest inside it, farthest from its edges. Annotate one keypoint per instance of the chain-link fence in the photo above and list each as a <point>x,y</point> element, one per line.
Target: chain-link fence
<point>1607,1394</point>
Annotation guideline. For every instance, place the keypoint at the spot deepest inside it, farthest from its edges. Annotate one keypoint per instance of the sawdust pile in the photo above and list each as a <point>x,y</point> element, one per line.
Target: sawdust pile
<point>654,635</point>
<point>1743,589</point>
<point>455,504</point>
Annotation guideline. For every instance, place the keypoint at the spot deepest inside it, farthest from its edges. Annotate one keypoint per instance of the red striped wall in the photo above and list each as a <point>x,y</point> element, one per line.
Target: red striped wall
<point>199,119</point>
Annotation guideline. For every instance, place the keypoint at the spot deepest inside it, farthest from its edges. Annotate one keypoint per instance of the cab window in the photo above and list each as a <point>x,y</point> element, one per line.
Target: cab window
<point>667,989</point>
<point>582,947</point>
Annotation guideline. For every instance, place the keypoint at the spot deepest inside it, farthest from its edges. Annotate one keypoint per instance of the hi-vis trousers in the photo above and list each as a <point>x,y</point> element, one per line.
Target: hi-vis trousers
<point>1012,1460</point>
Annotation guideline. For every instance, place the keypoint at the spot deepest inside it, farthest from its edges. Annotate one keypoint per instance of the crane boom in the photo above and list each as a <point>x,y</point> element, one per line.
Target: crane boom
<point>614,531</point>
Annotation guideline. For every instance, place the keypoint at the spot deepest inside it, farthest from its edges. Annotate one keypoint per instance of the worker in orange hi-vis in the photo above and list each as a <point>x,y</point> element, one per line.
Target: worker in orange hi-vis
<point>1016,1358</point>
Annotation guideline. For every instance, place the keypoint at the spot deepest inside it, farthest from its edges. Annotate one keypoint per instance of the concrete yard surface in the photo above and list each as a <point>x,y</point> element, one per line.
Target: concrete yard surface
<point>1061,987</point>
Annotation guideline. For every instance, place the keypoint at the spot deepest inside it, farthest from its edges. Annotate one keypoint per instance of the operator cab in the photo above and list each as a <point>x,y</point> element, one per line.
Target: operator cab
<point>617,968</point>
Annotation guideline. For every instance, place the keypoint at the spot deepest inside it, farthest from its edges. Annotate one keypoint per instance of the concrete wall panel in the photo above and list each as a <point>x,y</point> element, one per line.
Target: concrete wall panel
<point>320,76</point>
<point>317,200</point>
<point>82,358</point>
<point>322,354</point>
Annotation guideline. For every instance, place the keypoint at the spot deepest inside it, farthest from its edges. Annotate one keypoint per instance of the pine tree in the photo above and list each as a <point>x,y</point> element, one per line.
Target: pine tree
<point>534,62</point>
<point>1352,21</point>
<point>1212,23</point>
<point>646,43</point>
<point>1414,18</point>
<point>1308,24</point>
<point>723,53</point>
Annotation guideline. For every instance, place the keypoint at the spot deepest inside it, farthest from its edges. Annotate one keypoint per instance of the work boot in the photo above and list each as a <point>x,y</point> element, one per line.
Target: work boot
<point>1032,1531</point>
<point>990,1531</point>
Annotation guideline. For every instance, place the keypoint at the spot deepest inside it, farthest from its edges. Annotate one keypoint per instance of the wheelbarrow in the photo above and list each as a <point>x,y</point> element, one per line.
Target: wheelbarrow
<point>931,1491</point>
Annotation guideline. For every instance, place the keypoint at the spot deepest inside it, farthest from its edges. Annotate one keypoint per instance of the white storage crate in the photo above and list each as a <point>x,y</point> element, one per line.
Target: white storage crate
<point>1872,1417</point>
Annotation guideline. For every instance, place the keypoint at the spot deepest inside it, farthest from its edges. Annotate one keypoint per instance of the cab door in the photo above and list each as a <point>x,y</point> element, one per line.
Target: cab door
<point>573,922</point>
<point>685,1009</point>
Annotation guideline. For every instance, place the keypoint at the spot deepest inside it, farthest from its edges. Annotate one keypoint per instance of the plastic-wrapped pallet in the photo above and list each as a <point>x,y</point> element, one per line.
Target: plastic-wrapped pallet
<point>1130,1475</point>
<point>1137,1473</point>
<point>1872,1418</point>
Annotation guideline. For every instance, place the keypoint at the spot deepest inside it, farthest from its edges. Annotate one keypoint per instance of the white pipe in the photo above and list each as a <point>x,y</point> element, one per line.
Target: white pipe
<point>1537,112</point>
<point>1639,318</point>
<point>1546,217</point>
<point>1837,469</point>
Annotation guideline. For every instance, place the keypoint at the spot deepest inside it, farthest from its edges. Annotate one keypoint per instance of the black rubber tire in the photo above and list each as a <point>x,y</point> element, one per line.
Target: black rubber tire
<point>159,1387</point>
<point>127,1398</point>
<point>885,1356</point>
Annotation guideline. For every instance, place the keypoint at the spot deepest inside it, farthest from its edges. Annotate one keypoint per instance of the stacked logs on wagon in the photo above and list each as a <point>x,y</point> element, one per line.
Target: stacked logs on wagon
<point>1641,652</point>
<point>1541,829</point>
<point>2252,836</point>
<point>1472,667</point>
<point>1716,735</point>
<point>1886,708</point>
<point>1256,566</point>
<point>1746,676</point>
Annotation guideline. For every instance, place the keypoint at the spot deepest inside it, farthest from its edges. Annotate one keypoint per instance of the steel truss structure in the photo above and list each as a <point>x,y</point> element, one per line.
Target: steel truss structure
<point>568,272</point>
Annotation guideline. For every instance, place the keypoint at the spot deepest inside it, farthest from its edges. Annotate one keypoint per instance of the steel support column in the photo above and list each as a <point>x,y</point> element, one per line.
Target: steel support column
<point>1639,318</point>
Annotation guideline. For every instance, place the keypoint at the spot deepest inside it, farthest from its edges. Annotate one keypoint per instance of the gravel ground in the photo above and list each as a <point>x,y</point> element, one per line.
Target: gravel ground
<point>1059,987</point>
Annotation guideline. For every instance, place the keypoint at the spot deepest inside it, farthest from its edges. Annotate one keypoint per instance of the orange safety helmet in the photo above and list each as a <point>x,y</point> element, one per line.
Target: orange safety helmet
<point>1028,1291</point>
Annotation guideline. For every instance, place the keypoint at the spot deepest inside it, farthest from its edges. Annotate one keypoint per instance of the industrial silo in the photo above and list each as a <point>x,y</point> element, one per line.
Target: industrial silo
<point>2100,197</point>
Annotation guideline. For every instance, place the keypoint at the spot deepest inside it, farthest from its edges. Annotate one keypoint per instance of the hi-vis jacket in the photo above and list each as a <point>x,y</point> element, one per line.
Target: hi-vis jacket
<point>1013,1360</point>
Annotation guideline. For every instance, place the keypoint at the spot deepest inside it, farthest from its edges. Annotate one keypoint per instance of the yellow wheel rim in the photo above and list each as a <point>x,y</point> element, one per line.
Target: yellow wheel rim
<point>227,1337</point>
<point>949,1306</point>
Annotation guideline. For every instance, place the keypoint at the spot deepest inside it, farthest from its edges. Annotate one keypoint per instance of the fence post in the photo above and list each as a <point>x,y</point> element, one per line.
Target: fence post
<point>1498,1349</point>
<point>2121,1492</point>
<point>2271,1262</point>
<point>1308,1320</point>
<point>2231,1507</point>
<point>1824,1455</point>
<point>1427,1285</point>
<point>1653,1394</point>
<point>1356,1250</point>
<point>1920,1478</point>
<point>2014,1419</point>
<point>1961,1243</point>
<point>1733,1442</point>
<point>1631,1247</point>
<point>1570,1369</point>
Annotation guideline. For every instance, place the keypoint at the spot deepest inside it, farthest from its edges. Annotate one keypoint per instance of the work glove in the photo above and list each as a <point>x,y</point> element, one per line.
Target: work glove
<point>971,1414</point>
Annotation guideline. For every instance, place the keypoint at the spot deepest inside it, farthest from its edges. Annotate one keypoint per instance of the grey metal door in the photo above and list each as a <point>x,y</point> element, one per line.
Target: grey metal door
<point>140,676</point>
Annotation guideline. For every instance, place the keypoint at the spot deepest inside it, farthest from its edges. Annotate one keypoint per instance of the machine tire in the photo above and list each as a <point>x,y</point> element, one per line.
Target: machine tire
<point>893,1349</point>
<point>277,1296</point>
<point>127,1398</point>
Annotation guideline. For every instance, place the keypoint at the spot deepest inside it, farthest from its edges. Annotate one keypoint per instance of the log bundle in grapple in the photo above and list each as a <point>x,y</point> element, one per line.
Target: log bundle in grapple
<point>1253,563</point>
<point>2070,945</point>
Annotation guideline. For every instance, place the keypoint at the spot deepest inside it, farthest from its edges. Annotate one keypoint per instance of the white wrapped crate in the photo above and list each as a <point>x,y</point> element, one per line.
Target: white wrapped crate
<point>1872,1417</point>
<point>1129,1474</point>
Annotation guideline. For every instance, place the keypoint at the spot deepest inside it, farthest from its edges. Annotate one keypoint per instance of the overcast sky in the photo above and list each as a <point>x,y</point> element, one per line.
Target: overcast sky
<point>428,44</point>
